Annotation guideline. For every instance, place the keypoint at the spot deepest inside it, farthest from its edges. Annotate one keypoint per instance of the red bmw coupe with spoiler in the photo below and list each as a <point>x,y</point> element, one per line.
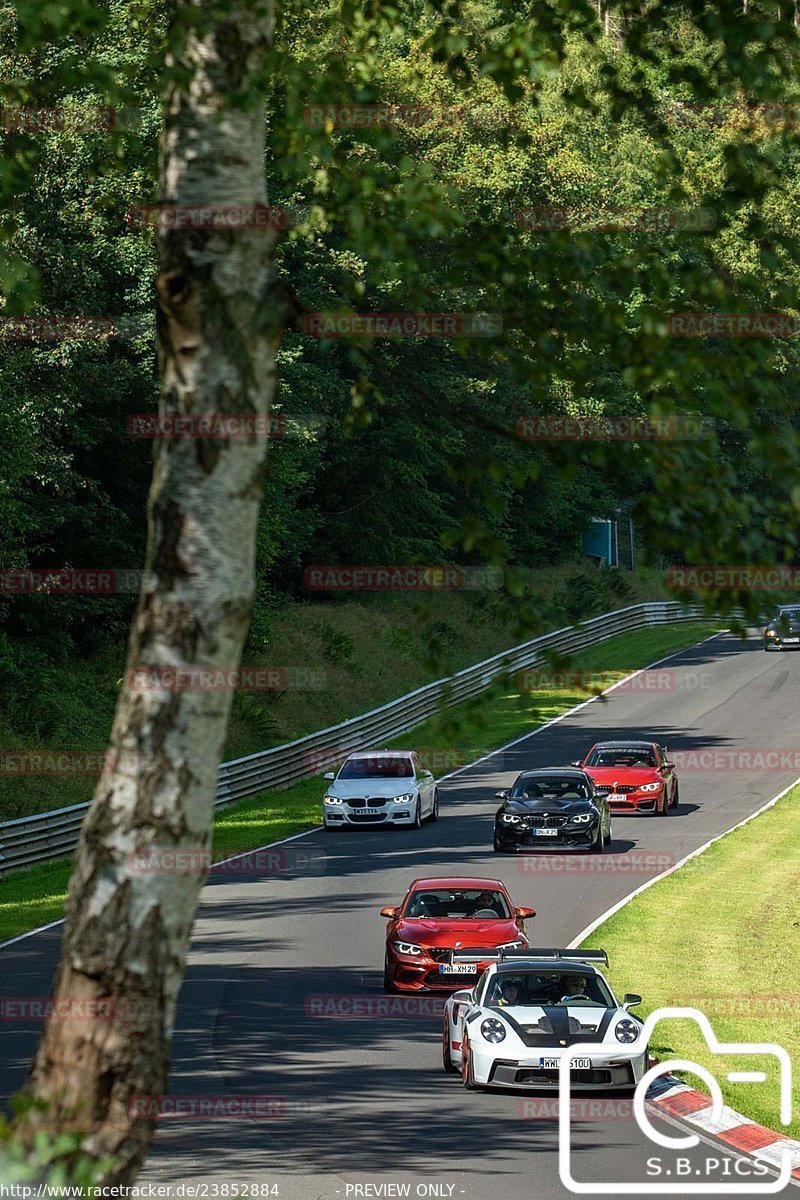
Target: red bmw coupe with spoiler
<point>448,931</point>
<point>635,777</point>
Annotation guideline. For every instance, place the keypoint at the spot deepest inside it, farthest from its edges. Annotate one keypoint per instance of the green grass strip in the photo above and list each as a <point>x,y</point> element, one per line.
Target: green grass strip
<point>36,895</point>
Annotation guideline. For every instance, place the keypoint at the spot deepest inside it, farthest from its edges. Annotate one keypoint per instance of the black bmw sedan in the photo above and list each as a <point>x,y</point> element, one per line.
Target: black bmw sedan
<point>552,807</point>
<point>784,628</point>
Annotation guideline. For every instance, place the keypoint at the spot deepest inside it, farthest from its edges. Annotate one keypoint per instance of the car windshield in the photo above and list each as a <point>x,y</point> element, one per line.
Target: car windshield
<point>458,903</point>
<point>551,788</point>
<point>375,767</point>
<point>622,756</point>
<point>540,988</point>
<point>790,614</point>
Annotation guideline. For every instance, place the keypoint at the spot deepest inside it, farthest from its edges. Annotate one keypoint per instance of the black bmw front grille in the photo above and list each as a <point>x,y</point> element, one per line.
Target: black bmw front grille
<point>543,822</point>
<point>604,789</point>
<point>361,802</point>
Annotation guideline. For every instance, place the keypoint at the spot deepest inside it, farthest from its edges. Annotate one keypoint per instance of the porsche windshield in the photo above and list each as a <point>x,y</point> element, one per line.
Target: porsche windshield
<point>622,756</point>
<point>458,904</point>
<point>374,766</point>
<point>567,787</point>
<point>542,988</point>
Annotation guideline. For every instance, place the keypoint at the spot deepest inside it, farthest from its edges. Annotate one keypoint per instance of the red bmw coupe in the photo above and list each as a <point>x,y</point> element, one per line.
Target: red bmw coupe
<point>440,918</point>
<point>635,777</point>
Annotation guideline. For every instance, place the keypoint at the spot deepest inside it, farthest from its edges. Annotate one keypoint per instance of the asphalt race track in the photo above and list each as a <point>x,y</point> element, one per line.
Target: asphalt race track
<point>360,1101</point>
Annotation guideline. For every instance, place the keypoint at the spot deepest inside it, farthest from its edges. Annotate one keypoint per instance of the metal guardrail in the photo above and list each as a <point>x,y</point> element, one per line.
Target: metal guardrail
<point>52,835</point>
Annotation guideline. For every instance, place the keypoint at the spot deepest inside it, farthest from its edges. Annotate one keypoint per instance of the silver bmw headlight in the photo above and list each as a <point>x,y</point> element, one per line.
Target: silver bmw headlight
<point>493,1030</point>
<point>651,787</point>
<point>581,819</point>
<point>406,799</point>
<point>626,1031</point>
<point>509,819</point>
<point>332,800</point>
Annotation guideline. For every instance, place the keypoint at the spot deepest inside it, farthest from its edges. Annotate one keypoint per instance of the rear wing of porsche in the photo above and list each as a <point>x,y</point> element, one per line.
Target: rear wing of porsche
<point>550,955</point>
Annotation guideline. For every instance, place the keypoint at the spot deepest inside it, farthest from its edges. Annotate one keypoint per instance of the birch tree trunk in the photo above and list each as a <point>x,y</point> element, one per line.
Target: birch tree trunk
<point>219,320</point>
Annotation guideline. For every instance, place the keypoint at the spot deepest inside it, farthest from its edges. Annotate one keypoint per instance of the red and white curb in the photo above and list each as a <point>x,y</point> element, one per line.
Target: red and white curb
<point>693,1108</point>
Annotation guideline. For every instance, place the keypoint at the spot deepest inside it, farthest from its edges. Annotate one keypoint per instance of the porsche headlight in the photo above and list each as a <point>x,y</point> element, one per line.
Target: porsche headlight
<point>493,1030</point>
<point>509,819</point>
<point>332,800</point>
<point>406,799</point>
<point>409,948</point>
<point>626,1031</point>
<point>651,787</point>
<point>581,819</point>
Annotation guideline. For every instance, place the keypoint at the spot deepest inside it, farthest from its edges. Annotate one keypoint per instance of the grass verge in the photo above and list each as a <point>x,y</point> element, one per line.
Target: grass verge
<point>35,896</point>
<point>721,935</point>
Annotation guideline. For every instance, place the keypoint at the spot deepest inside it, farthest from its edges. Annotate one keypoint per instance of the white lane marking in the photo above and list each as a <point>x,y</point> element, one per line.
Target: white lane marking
<point>573,945</point>
<point>592,700</point>
<point>540,729</point>
<point>747,1077</point>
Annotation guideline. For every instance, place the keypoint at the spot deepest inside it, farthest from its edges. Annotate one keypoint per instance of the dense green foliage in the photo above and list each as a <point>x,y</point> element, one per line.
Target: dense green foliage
<point>402,450</point>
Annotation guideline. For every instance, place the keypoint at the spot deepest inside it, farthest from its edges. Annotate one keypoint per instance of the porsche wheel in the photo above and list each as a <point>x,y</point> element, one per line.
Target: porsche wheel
<point>467,1073</point>
<point>447,1059</point>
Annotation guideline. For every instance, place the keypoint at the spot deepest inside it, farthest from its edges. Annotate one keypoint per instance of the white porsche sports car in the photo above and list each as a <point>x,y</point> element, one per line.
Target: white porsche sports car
<point>510,1030</point>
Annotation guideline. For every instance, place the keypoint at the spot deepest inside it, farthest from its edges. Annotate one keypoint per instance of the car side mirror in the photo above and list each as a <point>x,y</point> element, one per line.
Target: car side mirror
<point>576,763</point>
<point>523,913</point>
<point>329,775</point>
<point>390,911</point>
<point>630,1000</point>
<point>669,764</point>
<point>502,795</point>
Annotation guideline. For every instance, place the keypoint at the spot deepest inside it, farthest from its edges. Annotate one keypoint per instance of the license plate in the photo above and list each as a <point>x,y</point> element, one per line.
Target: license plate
<point>791,641</point>
<point>552,1064</point>
<point>545,833</point>
<point>617,798</point>
<point>369,812</point>
<point>457,969</point>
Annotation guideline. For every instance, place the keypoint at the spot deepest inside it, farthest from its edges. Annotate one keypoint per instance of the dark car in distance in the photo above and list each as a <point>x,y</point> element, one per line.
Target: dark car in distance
<point>552,807</point>
<point>784,628</point>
